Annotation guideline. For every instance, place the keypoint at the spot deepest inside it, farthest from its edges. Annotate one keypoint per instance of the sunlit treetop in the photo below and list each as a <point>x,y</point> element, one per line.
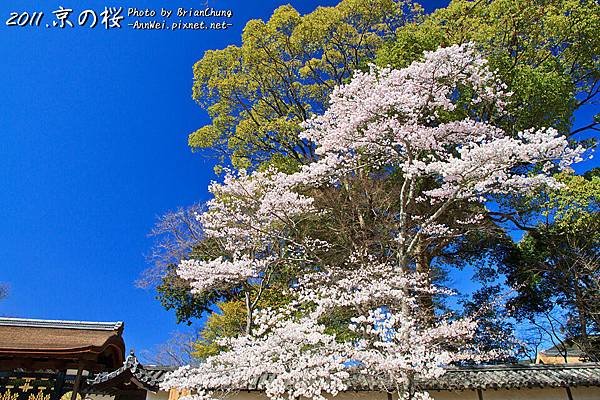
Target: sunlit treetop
<point>547,52</point>
<point>258,93</point>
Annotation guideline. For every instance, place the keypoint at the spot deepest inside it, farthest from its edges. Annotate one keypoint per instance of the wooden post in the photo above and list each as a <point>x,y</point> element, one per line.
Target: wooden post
<point>175,394</point>
<point>77,383</point>
<point>569,394</point>
<point>58,385</point>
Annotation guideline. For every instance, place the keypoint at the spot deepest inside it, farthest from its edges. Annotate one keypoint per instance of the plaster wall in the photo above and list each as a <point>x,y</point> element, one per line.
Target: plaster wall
<point>578,393</point>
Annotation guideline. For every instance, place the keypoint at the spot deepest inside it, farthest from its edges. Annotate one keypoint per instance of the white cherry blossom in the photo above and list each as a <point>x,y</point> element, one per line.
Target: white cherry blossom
<point>416,123</point>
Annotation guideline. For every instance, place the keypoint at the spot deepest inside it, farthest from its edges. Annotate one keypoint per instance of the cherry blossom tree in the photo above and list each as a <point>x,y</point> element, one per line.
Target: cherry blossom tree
<point>405,159</point>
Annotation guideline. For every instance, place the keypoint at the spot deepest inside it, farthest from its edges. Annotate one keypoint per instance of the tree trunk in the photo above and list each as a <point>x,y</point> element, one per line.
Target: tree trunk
<point>422,266</point>
<point>249,311</point>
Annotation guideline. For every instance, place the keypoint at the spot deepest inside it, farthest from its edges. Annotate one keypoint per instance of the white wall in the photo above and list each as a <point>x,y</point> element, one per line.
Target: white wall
<point>157,396</point>
<point>579,393</point>
<point>99,397</point>
<point>583,393</point>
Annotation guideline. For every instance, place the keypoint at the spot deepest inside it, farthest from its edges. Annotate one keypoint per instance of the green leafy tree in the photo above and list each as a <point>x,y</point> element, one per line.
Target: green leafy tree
<point>259,93</point>
<point>174,294</point>
<point>546,51</point>
<point>229,320</point>
<point>556,266</point>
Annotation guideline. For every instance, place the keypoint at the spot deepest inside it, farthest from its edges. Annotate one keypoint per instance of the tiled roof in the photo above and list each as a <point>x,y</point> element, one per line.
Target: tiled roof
<point>59,324</point>
<point>146,377</point>
<point>572,347</point>
<point>517,376</point>
<point>512,376</point>
<point>456,378</point>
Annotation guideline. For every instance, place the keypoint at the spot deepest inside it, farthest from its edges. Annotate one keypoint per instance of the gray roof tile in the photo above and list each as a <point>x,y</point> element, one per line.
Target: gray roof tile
<point>516,376</point>
<point>47,323</point>
<point>512,376</point>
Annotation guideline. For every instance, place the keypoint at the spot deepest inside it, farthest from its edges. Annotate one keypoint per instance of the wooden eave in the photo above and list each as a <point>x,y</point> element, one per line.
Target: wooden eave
<point>64,345</point>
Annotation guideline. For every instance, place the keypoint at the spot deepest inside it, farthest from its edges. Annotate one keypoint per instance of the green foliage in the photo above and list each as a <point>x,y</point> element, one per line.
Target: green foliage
<point>558,262</point>
<point>228,321</point>
<point>495,328</point>
<point>546,51</point>
<point>174,294</point>
<point>576,206</point>
<point>259,93</point>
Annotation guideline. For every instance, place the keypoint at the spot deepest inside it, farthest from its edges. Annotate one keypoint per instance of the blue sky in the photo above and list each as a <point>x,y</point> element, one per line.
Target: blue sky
<point>94,147</point>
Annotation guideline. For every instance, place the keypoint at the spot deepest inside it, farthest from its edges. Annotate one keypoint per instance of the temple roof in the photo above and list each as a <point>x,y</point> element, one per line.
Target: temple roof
<point>40,344</point>
<point>146,377</point>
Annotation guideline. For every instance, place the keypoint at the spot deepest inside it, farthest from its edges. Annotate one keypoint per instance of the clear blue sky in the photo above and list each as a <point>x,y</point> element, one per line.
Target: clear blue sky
<point>94,127</point>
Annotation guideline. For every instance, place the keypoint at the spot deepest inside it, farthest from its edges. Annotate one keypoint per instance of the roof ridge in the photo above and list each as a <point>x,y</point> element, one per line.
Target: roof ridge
<point>62,324</point>
<point>508,367</point>
<point>153,367</point>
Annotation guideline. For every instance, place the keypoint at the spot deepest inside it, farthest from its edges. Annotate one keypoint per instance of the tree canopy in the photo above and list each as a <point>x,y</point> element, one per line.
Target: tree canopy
<point>556,266</point>
<point>258,94</point>
<point>547,52</point>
